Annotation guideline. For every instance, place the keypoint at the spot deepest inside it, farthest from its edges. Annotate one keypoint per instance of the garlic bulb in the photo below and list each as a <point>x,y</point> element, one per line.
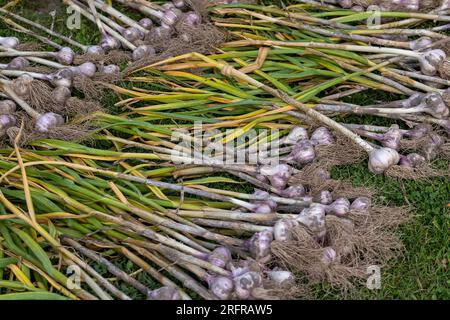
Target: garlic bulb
<point>146,23</point>
<point>282,229</point>
<point>295,135</point>
<point>432,146</point>
<point>180,4</point>
<point>323,197</point>
<point>60,95</point>
<point>9,42</point>
<point>329,256</point>
<point>245,283</point>
<point>133,34</point>
<point>420,43</point>
<point>220,257</point>
<point>436,106</point>
<point>361,204</point>
<point>96,50</point>
<point>314,219</point>
<point>61,78</point>
<point>322,136</point>
<point>7,121</point>
<point>340,207</point>
<point>259,245</point>
<point>293,192</point>
<point>86,69</point>
<point>303,153</point>
<point>382,159</point>
<point>111,69</point>
<point>346,4</point>
<point>282,278</point>
<point>109,43</point>
<point>222,287</point>
<point>191,19</point>
<point>164,293</point>
<point>417,132</point>
<point>48,121</point>
<point>431,60</point>
<point>66,56</point>
<point>391,139</point>
<point>22,85</point>
<point>278,175</point>
<point>18,63</point>
<point>7,107</point>
<point>143,51</point>
<point>171,16</point>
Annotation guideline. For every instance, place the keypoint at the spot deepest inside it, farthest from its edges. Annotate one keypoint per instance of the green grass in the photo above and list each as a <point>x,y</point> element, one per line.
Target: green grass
<point>422,272</point>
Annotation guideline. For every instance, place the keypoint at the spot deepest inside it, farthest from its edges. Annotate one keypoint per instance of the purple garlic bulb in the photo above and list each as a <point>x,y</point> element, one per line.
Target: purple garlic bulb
<point>171,16</point>
<point>432,146</point>
<point>62,78</point>
<point>329,256</point>
<point>111,69</point>
<point>96,50</point>
<point>431,60</point>
<point>314,219</point>
<point>164,293</point>
<point>282,278</point>
<point>382,159</point>
<point>221,287</point>
<point>321,136</point>
<point>323,197</point>
<point>436,106</point>
<point>133,34</point>
<point>259,245</point>
<point>295,135</point>
<point>346,4</point>
<point>282,229</point>
<point>191,19</point>
<point>180,4</point>
<point>340,207</point>
<point>146,23</point>
<point>162,32</point>
<point>263,206</point>
<point>294,192</point>
<point>47,121</point>
<point>9,42</point>
<point>7,107</point>
<point>65,56</point>
<point>109,43</point>
<point>417,132</point>
<point>220,257</point>
<point>278,175</point>
<point>420,43</point>
<point>391,139</point>
<point>7,121</point>
<point>143,51</point>
<point>361,204</point>
<point>245,283</point>
<point>18,63</point>
<point>86,69</point>
<point>60,95</point>
<point>303,153</point>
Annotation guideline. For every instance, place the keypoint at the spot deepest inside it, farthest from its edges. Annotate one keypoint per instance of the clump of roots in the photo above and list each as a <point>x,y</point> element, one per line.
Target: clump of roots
<point>342,152</point>
<point>93,88</point>
<point>423,171</point>
<point>35,92</point>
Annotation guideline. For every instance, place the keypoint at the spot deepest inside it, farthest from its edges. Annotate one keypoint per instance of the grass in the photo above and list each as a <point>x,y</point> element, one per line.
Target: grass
<point>422,272</point>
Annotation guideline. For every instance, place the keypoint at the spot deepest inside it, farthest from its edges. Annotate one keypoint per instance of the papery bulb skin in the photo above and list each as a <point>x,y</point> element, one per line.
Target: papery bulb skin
<point>66,56</point>
<point>259,244</point>
<point>392,138</point>
<point>220,257</point>
<point>358,8</point>
<point>60,95</point>
<point>314,219</point>
<point>278,175</point>
<point>329,256</point>
<point>416,159</point>
<point>22,85</point>
<point>382,159</point>
<point>86,69</point>
<point>361,204</point>
<point>164,293</point>
<point>264,194</point>
<point>340,207</point>
<point>62,78</point>
<point>162,32</point>
<point>109,43</point>
<point>7,107</point>
<point>445,5</point>
<point>432,146</point>
<point>146,23</point>
<point>323,174</point>
<point>171,16</point>
<point>282,278</point>
<point>245,283</point>
<point>346,4</point>
<point>133,34</point>
<point>431,60</point>
<point>111,69</point>
<point>420,43</point>
<point>168,5</point>
<point>295,135</point>
<point>261,178</point>
<point>324,197</point>
<point>294,192</point>
<point>303,152</point>
<point>95,50</point>
<point>7,121</point>
<point>18,63</point>
<point>322,136</point>
<point>282,229</point>
<point>221,287</point>
<point>436,106</point>
<point>191,19</point>
<point>47,121</point>
<point>9,42</point>
<point>417,132</point>
<point>180,4</point>
<point>143,51</point>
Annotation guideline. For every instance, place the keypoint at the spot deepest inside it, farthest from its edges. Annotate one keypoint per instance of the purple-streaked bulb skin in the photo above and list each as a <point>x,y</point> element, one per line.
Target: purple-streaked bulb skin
<point>417,132</point>
<point>323,174</point>
<point>171,16</point>
<point>168,5</point>
<point>278,175</point>
<point>420,43</point>
<point>133,34</point>
<point>346,4</point>
<point>96,50</point>
<point>322,136</point>
<point>86,69</point>
<point>143,51</point>
<point>281,278</point>
<point>295,135</point>
<point>294,192</point>
<point>358,8</point>
<point>62,78</point>
<point>314,219</point>
<point>9,42</point>
<point>303,152</point>
<point>259,244</point>
<point>431,60</point>
<point>180,4</point>
<point>110,69</point>
<point>47,121</point>
<point>162,32</point>
<point>22,88</point>
<point>261,193</point>
<point>18,63</point>
<point>220,286</point>
<point>7,121</point>
<point>7,107</point>
<point>191,19</point>
<point>220,257</point>
<point>245,283</point>
<point>416,159</point>
<point>391,139</point>
<point>340,207</point>
<point>164,293</point>
<point>436,106</point>
<point>432,146</point>
<point>282,229</point>
<point>382,159</point>
<point>324,197</point>
<point>66,56</point>
<point>109,43</point>
<point>445,5</point>
<point>146,23</point>
<point>408,5</point>
<point>329,256</point>
<point>361,204</point>
<point>60,95</point>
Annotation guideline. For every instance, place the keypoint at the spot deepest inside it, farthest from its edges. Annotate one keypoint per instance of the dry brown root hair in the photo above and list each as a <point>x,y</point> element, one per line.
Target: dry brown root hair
<point>424,171</point>
<point>39,69</point>
<point>342,152</point>
<point>38,96</point>
<point>94,88</point>
<point>28,46</point>
<point>112,57</point>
